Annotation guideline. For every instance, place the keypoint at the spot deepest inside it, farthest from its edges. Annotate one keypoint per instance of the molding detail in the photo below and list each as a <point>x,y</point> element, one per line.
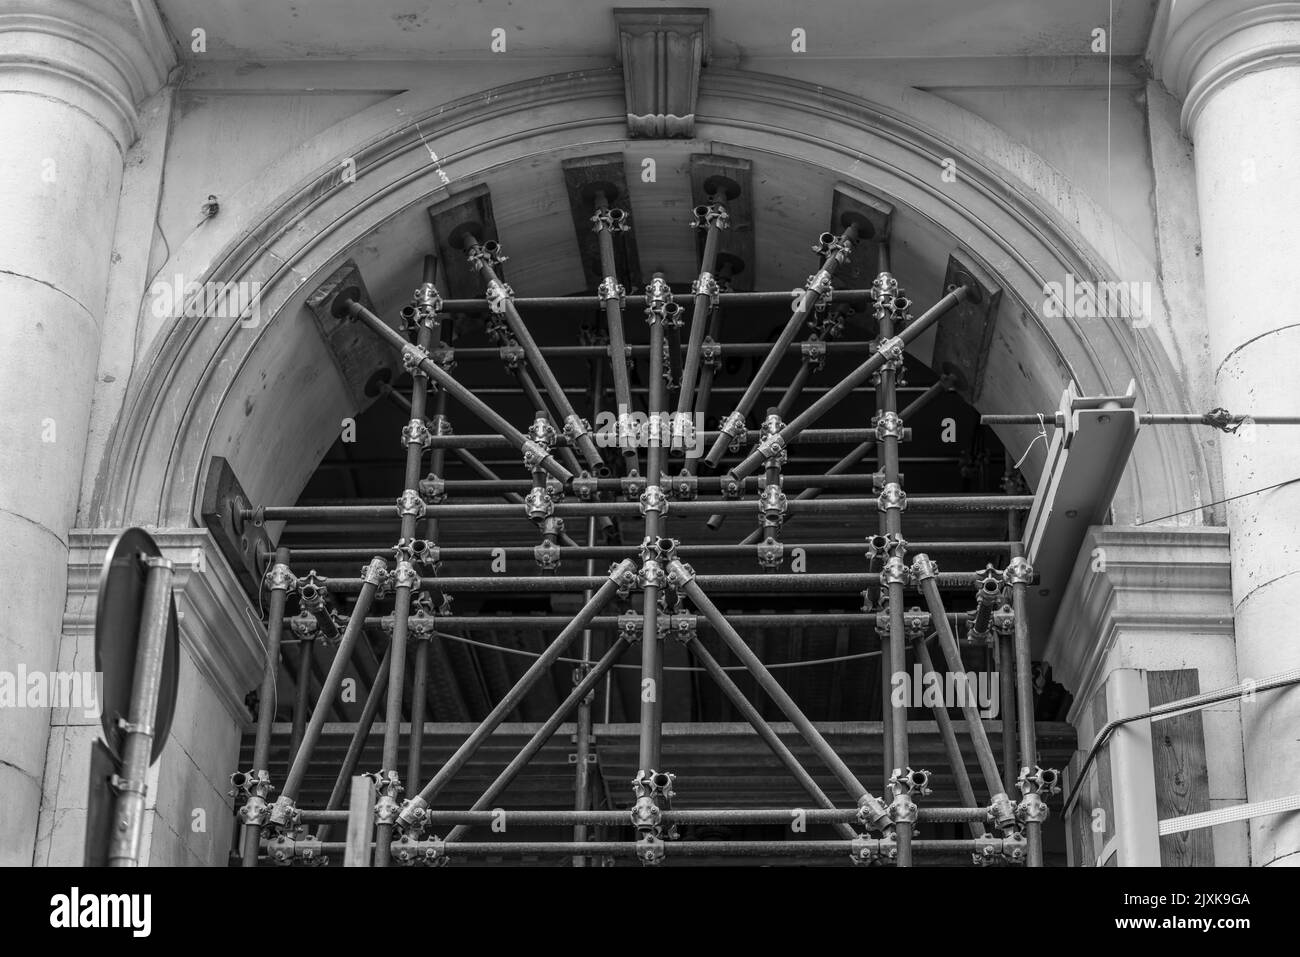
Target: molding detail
<point>1195,54</point>
<point>82,54</point>
<point>219,629</point>
<point>1152,579</point>
<point>662,53</point>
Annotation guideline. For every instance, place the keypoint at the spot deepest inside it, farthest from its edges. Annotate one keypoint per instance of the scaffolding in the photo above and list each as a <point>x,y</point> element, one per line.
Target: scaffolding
<point>566,477</point>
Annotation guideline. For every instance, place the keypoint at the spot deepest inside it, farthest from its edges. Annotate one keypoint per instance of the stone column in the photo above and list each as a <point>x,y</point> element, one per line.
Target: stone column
<point>1236,66</point>
<point>71,74</point>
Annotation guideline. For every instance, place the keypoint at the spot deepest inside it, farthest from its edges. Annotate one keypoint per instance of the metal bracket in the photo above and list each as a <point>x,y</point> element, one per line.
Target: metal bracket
<point>633,485</point>
<point>410,503</point>
<point>771,553</point>
<point>684,486</point>
<point>433,489</point>
<point>892,496</point>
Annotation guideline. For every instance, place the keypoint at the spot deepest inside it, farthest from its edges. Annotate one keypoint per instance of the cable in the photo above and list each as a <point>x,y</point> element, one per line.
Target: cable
<point>577,661</point>
<point>1221,501</point>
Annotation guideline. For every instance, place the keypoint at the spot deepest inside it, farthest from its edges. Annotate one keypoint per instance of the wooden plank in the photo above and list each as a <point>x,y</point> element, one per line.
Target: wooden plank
<point>357,352</point>
<point>472,207</point>
<point>1181,773</point>
<point>738,238</point>
<point>361,821</point>
<point>581,175</point>
<point>850,204</point>
<point>1105,792</point>
<point>961,344</point>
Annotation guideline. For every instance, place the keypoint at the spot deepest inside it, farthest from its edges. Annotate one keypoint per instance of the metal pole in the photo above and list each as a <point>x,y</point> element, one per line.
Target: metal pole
<point>620,577</point>
<point>1018,574</point>
<point>840,468</point>
<point>684,579</point>
<point>888,349</point>
<point>712,219</point>
<point>151,644</point>
<point>607,222</point>
<point>923,570</point>
<point>347,306</point>
<point>543,734</point>
<point>360,734</point>
<point>949,736</point>
<point>282,811</point>
<point>836,251</point>
<point>481,257</point>
<point>764,730</point>
<point>280,579</point>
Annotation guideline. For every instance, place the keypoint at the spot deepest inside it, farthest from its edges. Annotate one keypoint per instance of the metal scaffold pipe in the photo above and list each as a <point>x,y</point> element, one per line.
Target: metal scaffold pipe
<point>888,349</point>
<point>346,305</point>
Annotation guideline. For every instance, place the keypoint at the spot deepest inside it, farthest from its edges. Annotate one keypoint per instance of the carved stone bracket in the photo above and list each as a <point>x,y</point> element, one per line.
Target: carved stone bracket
<point>662,53</point>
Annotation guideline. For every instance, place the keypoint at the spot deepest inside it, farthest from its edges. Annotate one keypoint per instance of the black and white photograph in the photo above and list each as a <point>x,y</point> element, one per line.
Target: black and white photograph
<point>462,435</point>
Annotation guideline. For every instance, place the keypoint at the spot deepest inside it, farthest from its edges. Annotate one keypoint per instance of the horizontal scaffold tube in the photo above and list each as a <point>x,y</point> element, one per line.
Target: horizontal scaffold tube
<point>719,816</point>
<point>756,582</point>
<point>455,553</point>
<point>850,296</point>
<point>807,437</point>
<point>671,848</point>
<point>815,506</point>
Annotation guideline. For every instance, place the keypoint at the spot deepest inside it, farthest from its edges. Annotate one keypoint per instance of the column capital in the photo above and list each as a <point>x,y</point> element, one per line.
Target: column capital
<point>103,57</point>
<point>1199,46</point>
<point>1133,581</point>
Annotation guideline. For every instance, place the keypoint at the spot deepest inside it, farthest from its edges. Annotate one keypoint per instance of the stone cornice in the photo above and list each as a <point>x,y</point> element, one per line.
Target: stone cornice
<point>1154,579</point>
<point>1197,53</point>
<point>218,628</point>
<point>77,52</point>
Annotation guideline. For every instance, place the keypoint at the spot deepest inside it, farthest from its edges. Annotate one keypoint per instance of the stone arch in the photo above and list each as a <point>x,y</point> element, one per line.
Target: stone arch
<point>193,395</point>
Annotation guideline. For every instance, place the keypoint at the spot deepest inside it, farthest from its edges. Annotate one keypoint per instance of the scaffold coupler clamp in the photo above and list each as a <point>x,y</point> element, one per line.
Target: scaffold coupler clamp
<point>624,575</point>
<point>731,486</point>
<point>611,219</point>
<point>864,851</point>
<point>873,813</point>
<point>1014,848</point>
<point>711,353</point>
<point>575,427</point>
<point>388,786</point>
<point>685,487</point>
<point>680,574</point>
<point>734,427</point>
<point>772,505</point>
<point>706,285</point>
<point>547,555</point>
<point>278,576</point>
<point>485,255</point>
<point>892,496</point>
<point>632,484</point>
<point>770,552</point>
<point>255,787</point>
<point>376,573</point>
<point>413,815</point>
<point>916,623</point>
<point>536,455</point>
<point>653,500</point>
<point>772,445</point>
<point>585,486</point>
<point>611,290</point>
<point>834,247</point>
<point>411,503</point>
<point>1004,620</point>
<point>416,432</point>
<point>909,781</point>
<point>284,813</point>
<point>813,351</point>
<point>820,284</point>
<point>891,349</point>
<point>1019,572</point>
<point>895,572</point>
<point>1002,812</point>
<point>923,567</point>
<point>538,506</point>
<point>892,545</point>
<point>652,575</point>
<point>433,489</point>
<point>413,357</point>
<point>987,850</point>
<point>888,425</point>
<point>708,215</point>
<point>405,576</point>
<point>629,627</point>
<point>683,628</point>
